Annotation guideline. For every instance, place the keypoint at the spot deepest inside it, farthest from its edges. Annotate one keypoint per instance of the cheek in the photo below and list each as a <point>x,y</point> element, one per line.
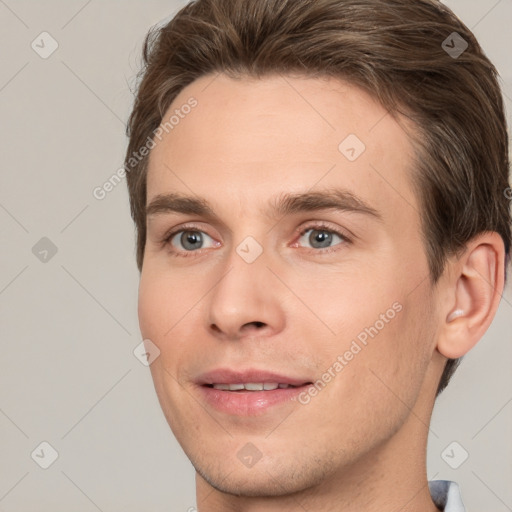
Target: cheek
<point>383,379</point>
<point>382,332</point>
<point>160,310</point>
<point>151,308</point>
<point>168,313</point>
<point>346,306</point>
<point>163,301</point>
<point>397,358</point>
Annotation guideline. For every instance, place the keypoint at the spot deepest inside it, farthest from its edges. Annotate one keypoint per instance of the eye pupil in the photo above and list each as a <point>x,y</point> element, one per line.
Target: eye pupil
<point>191,239</point>
<point>324,238</point>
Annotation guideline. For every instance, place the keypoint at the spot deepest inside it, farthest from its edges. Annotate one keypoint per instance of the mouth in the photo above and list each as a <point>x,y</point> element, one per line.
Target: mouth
<point>254,386</point>
<point>250,392</point>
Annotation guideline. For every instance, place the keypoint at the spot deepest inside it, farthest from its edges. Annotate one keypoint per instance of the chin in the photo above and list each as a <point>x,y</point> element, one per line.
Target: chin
<point>253,483</point>
<point>263,479</point>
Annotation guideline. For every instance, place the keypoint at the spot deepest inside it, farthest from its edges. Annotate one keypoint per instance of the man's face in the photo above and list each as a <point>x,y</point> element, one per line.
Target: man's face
<point>266,288</point>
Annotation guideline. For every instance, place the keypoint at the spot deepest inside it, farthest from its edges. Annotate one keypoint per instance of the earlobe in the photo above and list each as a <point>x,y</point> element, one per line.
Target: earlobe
<point>475,291</point>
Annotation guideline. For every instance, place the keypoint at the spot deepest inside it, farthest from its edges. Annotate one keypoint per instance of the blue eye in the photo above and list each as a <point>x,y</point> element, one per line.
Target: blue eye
<point>190,240</point>
<point>321,238</point>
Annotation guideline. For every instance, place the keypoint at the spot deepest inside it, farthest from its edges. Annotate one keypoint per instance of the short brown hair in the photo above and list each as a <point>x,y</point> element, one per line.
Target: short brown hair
<point>396,50</point>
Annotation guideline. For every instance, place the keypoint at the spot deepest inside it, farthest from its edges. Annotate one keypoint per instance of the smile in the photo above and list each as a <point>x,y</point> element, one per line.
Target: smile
<point>252,386</point>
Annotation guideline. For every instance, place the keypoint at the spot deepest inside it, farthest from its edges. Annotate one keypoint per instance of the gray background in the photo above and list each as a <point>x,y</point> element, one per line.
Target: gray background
<point>69,325</point>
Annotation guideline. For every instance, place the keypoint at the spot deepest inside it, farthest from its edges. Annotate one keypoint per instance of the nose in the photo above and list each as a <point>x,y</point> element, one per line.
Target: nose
<point>246,301</point>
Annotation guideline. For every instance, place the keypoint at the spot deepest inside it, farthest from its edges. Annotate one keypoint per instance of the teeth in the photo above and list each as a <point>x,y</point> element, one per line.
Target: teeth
<point>251,386</point>
<point>223,387</point>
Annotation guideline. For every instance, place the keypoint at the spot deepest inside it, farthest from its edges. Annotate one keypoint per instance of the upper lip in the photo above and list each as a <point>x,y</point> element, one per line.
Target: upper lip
<point>228,376</point>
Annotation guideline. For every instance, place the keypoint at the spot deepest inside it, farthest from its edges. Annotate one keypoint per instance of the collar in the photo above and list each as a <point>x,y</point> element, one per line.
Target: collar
<point>446,495</point>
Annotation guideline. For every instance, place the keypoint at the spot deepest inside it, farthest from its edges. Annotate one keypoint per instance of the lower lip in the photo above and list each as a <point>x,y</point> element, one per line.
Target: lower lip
<point>249,403</point>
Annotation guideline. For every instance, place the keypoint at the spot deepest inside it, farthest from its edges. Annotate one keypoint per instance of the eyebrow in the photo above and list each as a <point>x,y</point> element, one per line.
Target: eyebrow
<point>279,206</point>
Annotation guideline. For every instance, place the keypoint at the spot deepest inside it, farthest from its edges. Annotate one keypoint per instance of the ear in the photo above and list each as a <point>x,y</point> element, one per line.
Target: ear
<point>474,286</point>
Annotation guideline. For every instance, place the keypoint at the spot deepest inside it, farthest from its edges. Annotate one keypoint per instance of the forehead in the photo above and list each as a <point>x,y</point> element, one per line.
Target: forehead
<point>246,138</point>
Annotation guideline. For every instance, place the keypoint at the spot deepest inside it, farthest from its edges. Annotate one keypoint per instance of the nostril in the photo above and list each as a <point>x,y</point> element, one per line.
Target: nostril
<point>255,324</point>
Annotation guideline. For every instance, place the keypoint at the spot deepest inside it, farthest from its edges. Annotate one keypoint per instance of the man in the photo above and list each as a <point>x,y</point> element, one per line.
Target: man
<point>319,190</point>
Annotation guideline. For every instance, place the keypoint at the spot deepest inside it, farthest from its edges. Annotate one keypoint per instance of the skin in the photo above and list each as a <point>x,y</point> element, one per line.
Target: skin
<point>360,443</point>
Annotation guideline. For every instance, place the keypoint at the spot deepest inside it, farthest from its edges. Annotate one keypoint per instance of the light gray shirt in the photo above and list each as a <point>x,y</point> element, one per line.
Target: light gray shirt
<point>446,495</point>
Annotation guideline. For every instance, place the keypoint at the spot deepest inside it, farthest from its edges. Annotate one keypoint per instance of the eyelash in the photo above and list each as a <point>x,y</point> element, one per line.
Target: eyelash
<point>166,240</point>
